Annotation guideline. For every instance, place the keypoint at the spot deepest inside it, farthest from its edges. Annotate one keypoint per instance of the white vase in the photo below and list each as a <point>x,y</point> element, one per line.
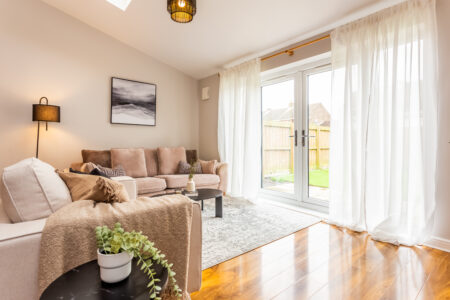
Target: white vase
<point>190,186</point>
<point>114,267</point>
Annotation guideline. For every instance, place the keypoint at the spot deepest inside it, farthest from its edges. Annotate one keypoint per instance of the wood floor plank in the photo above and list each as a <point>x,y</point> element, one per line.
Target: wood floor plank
<point>327,262</point>
<point>437,285</point>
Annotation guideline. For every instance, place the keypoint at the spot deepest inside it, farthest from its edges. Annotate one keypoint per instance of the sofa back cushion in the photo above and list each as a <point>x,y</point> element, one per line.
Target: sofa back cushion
<point>32,190</point>
<point>98,157</point>
<point>169,158</point>
<point>191,155</point>
<point>151,161</point>
<point>132,160</point>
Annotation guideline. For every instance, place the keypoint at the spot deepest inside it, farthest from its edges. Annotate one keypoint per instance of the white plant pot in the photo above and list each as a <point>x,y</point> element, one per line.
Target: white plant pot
<point>114,267</point>
<point>190,186</point>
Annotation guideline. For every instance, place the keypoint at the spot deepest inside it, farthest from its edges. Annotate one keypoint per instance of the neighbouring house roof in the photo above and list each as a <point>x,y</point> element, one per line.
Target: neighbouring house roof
<point>280,114</point>
<point>318,114</point>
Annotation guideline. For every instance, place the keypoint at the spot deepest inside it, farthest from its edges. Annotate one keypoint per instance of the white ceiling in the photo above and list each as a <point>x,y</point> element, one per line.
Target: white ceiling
<point>222,30</point>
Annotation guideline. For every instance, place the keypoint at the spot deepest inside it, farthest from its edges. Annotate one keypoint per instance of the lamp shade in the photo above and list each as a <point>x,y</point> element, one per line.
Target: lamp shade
<point>46,113</point>
<point>182,11</point>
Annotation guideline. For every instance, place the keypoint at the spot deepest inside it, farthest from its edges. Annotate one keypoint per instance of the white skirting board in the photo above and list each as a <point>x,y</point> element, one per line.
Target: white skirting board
<point>439,243</point>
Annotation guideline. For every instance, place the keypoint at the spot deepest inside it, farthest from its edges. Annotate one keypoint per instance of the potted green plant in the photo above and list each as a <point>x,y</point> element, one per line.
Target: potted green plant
<point>117,248</point>
<point>190,187</point>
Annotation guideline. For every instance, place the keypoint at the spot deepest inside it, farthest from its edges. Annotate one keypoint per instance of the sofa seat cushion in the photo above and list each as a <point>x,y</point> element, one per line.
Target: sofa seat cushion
<point>180,180</point>
<point>147,185</point>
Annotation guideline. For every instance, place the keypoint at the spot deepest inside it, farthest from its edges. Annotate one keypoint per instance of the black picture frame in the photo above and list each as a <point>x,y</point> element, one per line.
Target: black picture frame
<point>133,102</point>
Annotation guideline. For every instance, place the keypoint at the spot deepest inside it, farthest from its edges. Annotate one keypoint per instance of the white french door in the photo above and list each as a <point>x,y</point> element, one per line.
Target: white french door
<point>295,135</point>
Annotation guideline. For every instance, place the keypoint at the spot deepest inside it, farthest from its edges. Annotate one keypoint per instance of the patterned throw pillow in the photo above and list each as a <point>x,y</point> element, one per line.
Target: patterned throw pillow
<point>95,172</point>
<point>184,168</point>
<point>116,172</point>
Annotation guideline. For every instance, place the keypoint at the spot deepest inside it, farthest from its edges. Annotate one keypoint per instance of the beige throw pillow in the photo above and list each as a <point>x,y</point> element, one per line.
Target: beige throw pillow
<point>96,188</point>
<point>132,160</point>
<point>31,190</point>
<point>169,158</point>
<point>208,167</point>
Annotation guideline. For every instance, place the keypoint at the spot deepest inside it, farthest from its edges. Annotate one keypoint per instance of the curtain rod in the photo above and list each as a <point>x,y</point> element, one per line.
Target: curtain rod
<point>290,51</point>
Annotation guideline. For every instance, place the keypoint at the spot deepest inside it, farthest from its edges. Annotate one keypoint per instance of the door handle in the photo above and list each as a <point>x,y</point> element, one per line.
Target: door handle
<point>304,137</point>
<point>295,137</point>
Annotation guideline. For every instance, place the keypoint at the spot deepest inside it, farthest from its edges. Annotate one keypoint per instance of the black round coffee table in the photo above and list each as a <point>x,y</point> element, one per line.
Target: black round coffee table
<point>84,282</point>
<point>204,194</point>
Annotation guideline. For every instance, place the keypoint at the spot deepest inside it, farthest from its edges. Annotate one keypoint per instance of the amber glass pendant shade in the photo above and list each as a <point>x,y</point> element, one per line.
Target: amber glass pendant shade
<point>182,11</point>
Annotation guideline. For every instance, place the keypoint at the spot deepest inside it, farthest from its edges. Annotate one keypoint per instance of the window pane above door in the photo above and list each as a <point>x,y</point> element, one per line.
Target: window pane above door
<point>319,103</point>
<point>278,111</point>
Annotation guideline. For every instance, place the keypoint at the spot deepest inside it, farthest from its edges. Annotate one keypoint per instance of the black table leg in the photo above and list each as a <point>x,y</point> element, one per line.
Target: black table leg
<point>202,204</point>
<point>219,207</point>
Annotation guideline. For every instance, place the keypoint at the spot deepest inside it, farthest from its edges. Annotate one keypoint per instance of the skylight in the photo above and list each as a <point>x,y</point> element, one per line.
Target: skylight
<point>122,4</point>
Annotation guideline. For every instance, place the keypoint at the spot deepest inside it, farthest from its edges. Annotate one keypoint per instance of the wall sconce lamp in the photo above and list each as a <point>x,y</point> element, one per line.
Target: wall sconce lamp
<point>43,112</point>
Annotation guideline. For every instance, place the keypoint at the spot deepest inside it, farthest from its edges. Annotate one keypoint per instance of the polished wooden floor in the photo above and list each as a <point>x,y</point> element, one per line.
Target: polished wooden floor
<point>326,262</point>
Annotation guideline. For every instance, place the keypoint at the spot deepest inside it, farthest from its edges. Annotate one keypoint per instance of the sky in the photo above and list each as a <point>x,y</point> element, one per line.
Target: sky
<point>281,95</point>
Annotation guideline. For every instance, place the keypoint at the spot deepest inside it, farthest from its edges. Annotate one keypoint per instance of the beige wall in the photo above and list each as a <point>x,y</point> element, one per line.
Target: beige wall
<point>442,219</point>
<point>208,112</point>
<point>44,52</point>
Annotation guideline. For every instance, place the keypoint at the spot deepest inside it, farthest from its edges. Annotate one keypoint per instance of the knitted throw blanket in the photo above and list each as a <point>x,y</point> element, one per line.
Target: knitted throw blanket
<point>68,239</point>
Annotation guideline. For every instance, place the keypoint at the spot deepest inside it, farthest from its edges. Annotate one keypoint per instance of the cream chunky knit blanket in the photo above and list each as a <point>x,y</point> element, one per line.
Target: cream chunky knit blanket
<point>68,238</point>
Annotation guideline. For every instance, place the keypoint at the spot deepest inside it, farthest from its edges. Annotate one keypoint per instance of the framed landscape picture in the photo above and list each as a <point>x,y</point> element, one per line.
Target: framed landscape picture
<point>133,102</point>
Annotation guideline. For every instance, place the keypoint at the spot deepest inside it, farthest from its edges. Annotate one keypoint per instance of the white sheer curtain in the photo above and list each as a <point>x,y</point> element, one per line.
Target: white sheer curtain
<point>384,124</point>
<point>239,128</point>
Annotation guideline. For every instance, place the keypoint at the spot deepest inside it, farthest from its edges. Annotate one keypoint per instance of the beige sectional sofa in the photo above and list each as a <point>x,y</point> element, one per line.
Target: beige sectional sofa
<point>20,241</point>
<point>19,256</point>
<point>155,170</point>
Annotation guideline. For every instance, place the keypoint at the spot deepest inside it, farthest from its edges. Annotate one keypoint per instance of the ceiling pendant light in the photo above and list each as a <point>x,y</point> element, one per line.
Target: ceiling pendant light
<point>182,11</point>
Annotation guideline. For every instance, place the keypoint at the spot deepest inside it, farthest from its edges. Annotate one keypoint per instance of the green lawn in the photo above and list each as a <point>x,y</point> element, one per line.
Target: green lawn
<point>318,177</point>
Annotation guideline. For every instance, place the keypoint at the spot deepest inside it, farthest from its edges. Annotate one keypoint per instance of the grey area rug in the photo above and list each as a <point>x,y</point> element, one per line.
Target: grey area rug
<point>244,227</point>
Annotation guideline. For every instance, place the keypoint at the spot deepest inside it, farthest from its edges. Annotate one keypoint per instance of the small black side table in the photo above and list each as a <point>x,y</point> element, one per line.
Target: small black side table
<point>84,283</point>
<point>204,194</point>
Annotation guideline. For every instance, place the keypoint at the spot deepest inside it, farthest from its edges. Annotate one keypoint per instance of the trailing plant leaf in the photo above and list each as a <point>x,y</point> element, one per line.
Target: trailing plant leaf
<point>117,240</point>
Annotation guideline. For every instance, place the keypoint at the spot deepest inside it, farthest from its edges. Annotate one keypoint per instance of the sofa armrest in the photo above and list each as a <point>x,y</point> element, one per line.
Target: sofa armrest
<point>130,185</point>
<point>21,229</point>
<point>222,171</point>
<point>19,259</point>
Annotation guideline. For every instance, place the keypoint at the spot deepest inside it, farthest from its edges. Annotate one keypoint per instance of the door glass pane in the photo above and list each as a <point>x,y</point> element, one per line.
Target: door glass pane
<point>319,103</point>
<point>278,137</point>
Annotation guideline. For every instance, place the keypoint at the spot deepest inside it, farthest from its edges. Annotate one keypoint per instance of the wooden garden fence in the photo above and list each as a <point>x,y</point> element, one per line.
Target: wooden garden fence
<point>278,147</point>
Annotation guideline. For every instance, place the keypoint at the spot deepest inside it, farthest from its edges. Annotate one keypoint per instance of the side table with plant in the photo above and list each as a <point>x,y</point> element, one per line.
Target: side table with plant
<point>118,241</point>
